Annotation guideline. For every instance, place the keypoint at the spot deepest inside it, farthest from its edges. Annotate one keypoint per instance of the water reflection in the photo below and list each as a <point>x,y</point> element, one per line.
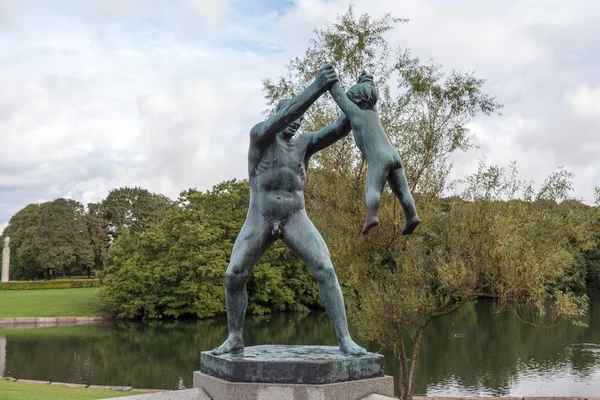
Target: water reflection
<point>471,352</point>
<point>2,354</point>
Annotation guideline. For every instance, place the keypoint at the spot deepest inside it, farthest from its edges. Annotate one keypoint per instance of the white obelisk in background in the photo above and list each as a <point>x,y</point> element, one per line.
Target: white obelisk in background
<point>5,259</point>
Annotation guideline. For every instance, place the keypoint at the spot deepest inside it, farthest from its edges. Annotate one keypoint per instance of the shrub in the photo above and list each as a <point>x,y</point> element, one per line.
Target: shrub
<point>177,267</point>
<point>54,284</point>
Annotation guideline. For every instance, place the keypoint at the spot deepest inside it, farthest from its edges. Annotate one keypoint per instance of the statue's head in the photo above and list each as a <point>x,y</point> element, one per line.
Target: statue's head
<point>290,130</point>
<point>364,94</point>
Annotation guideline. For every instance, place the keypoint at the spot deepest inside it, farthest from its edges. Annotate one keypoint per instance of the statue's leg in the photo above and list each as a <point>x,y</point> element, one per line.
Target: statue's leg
<point>377,173</point>
<point>302,237</point>
<point>399,186</point>
<point>251,243</point>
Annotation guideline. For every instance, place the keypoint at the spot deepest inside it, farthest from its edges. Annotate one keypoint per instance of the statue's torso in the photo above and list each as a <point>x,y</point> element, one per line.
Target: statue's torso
<point>277,172</point>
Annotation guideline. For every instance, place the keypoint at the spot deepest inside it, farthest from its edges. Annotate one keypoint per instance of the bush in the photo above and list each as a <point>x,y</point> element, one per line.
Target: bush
<point>54,284</point>
<point>177,267</point>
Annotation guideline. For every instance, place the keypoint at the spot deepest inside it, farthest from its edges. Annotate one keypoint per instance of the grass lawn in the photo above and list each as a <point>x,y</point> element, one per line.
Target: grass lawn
<point>31,391</point>
<point>51,303</point>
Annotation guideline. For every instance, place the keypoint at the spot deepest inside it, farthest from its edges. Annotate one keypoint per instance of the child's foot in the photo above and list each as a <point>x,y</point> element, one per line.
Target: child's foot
<point>371,223</point>
<point>411,225</point>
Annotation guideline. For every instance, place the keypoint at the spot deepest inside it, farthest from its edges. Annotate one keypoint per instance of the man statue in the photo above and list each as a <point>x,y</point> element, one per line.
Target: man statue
<point>277,163</point>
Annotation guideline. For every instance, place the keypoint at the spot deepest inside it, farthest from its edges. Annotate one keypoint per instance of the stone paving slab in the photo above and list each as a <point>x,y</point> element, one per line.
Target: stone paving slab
<point>379,397</point>
<point>116,388</point>
<point>70,385</point>
<point>504,398</point>
<point>24,320</point>
<point>465,398</point>
<point>33,381</point>
<point>554,398</point>
<point>186,394</point>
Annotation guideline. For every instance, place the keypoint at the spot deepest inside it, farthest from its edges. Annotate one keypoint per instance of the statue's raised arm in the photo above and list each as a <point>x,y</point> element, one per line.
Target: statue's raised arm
<point>292,109</point>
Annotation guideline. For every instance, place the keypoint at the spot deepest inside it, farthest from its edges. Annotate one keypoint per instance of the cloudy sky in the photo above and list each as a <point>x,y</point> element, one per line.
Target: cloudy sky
<point>98,94</point>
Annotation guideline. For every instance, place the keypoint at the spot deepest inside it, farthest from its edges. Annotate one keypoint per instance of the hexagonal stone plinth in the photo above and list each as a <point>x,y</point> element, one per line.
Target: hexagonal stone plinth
<point>291,364</point>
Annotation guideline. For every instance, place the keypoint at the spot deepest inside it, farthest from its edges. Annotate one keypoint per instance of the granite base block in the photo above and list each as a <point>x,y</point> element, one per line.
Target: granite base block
<point>219,389</point>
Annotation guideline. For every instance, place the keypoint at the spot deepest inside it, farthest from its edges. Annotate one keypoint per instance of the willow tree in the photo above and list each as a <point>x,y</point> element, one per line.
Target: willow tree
<point>425,116</point>
<point>476,244</point>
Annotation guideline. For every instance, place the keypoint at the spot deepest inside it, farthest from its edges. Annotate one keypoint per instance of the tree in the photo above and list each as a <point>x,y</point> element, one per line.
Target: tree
<point>491,242</point>
<point>177,267</point>
<point>425,117</point>
<point>62,240</point>
<point>22,229</point>
<point>48,238</point>
<point>97,227</point>
<point>477,244</point>
<point>133,208</point>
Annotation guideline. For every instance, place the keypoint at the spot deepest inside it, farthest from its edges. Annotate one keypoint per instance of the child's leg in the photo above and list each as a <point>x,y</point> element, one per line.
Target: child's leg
<point>377,173</point>
<point>399,186</point>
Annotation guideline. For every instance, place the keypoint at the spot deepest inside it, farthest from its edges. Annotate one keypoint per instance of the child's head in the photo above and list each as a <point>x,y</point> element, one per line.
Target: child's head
<point>364,94</point>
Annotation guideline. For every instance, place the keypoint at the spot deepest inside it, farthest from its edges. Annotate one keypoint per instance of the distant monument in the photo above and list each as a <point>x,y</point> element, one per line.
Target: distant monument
<point>5,259</point>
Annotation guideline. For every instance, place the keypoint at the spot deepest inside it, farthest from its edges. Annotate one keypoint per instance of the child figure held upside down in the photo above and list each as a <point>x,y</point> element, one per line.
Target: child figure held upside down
<point>383,160</point>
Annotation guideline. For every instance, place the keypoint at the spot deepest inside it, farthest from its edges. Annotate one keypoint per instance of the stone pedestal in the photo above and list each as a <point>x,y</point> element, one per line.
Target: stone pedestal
<point>219,389</point>
<point>292,373</point>
<point>5,263</point>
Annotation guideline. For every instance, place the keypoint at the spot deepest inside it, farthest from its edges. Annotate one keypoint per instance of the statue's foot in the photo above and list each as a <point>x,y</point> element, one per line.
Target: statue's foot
<point>371,223</point>
<point>348,346</point>
<point>230,345</point>
<point>411,225</point>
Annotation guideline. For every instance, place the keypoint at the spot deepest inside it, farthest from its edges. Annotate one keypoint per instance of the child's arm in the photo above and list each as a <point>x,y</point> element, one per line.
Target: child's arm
<point>346,105</point>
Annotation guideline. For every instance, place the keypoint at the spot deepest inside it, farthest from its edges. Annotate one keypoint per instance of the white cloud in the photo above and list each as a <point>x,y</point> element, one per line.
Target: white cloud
<point>585,101</point>
<point>115,93</point>
<point>211,12</point>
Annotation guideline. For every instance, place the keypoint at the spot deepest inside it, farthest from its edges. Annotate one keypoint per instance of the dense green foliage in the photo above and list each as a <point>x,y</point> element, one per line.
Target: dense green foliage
<point>178,267</point>
<point>97,227</point>
<point>51,303</point>
<point>497,238</point>
<point>62,237</point>
<point>61,242</point>
<point>49,239</point>
<point>133,208</point>
<point>22,229</point>
<point>53,284</point>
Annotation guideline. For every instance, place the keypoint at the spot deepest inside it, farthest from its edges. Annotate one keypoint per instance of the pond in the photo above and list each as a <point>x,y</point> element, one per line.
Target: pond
<point>472,352</point>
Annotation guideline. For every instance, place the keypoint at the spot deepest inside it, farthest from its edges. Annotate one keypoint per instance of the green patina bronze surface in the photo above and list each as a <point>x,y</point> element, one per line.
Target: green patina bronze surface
<point>277,164</point>
<point>291,364</point>
<point>384,163</point>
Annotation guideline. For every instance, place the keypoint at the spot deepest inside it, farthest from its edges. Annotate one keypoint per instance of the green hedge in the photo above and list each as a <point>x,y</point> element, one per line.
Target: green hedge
<point>54,284</point>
